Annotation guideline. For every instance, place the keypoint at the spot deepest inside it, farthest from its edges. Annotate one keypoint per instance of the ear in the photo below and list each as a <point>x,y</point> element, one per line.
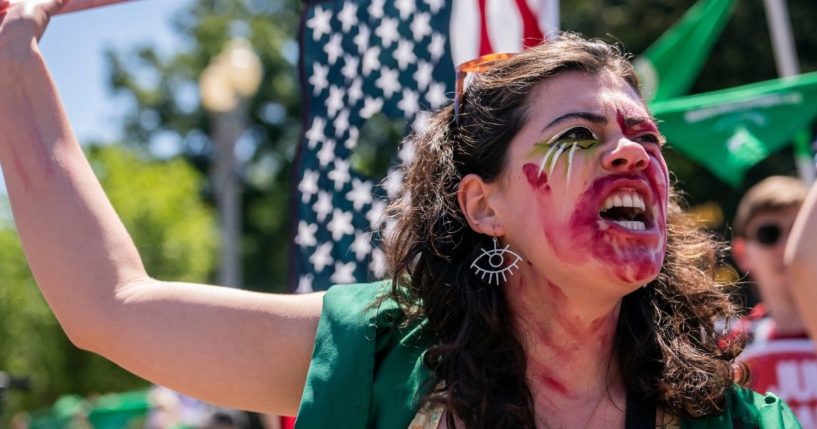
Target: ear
<point>472,195</point>
<point>739,254</point>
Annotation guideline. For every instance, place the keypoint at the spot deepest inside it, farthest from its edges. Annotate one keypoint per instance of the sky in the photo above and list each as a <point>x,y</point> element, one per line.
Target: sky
<point>74,47</point>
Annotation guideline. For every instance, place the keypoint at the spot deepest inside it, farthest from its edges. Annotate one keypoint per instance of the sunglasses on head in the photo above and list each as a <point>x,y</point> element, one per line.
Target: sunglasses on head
<point>768,234</point>
<point>477,65</point>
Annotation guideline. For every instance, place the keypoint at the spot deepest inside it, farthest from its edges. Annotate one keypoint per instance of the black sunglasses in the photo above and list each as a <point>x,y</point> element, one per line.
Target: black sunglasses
<point>768,234</point>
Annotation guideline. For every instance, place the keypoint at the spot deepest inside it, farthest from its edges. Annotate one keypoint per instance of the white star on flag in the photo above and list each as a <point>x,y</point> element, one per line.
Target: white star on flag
<point>305,284</point>
<point>362,245</point>
<point>375,214</point>
<point>344,273</point>
<point>341,123</point>
<point>361,194</point>
<point>387,32</point>
<point>350,67</point>
<point>362,39</point>
<point>388,82</point>
<point>436,95</point>
<point>371,60</point>
<point>316,134</point>
<point>340,225</point>
<point>376,9</point>
<point>435,5</point>
<point>319,23</point>
<point>322,257</point>
<point>334,49</point>
<point>371,107</point>
<point>335,101</point>
<point>421,26</point>
<point>318,78</point>
<point>437,46</point>
<point>323,206</point>
<point>423,74</point>
<point>306,234</point>
<point>348,16</point>
<point>409,104</point>
<point>340,174</point>
<point>406,8</point>
<point>308,185</point>
<point>355,91</point>
<point>404,54</point>
<point>327,153</point>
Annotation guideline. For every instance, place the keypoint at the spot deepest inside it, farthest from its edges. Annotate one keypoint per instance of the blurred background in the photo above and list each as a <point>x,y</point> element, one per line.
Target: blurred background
<point>131,77</point>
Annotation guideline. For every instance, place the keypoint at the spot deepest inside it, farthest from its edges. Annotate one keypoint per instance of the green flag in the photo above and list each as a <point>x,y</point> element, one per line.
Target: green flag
<point>668,68</point>
<point>729,131</point>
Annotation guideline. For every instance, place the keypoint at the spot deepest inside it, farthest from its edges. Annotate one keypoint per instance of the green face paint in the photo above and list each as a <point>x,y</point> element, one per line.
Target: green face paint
<point>571,140</point>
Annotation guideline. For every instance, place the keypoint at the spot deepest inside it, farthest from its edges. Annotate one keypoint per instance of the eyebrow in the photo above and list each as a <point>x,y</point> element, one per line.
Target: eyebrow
<point>638,120</point>
<point>587,116</point>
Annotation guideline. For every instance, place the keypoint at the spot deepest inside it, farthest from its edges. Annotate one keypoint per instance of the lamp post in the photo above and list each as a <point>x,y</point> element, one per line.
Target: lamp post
<point>227,85</point>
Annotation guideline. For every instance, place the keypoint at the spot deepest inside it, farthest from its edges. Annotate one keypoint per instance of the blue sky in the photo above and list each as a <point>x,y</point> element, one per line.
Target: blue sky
<point>74,45</point>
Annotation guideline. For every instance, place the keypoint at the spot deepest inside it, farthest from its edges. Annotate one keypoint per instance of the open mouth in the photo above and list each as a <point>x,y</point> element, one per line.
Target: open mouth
<point>626,208</point>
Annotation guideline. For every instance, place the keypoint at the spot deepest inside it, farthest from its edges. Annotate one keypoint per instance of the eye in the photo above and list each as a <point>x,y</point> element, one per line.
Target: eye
<point>577,135</point>
<point>494,263</point>
<point>651,138</point>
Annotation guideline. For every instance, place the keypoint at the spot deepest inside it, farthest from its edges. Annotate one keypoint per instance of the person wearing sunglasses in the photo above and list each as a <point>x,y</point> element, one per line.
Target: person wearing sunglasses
<point>542,272</point>
<point>779,352</point>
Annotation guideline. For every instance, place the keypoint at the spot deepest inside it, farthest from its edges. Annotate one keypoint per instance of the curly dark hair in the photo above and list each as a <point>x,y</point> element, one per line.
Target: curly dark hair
<point>669,350</point>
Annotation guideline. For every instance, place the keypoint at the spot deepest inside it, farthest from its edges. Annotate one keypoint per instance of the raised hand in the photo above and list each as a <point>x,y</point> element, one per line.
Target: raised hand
<point>25,21</point>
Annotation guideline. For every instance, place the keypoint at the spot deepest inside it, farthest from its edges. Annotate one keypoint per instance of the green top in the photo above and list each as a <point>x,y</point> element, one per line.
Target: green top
<point>367,374</point>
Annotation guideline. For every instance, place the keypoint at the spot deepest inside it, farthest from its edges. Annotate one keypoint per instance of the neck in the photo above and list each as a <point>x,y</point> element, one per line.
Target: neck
<point>569,342</point>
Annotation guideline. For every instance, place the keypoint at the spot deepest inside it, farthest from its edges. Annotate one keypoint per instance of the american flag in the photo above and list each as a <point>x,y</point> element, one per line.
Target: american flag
<point>364,57</point>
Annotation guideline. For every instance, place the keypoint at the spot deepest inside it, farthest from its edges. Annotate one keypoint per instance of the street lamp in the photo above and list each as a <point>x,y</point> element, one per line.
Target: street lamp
<point>227,85</point>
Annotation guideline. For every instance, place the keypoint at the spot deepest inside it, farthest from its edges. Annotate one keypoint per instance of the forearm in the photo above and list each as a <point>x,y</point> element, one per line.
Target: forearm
<point>77,248</point>
<point>801,261</point>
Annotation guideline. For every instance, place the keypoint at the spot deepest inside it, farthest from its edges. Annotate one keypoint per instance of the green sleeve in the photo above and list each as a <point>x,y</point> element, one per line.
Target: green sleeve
<point>746,409</point>
<point>365,371</point>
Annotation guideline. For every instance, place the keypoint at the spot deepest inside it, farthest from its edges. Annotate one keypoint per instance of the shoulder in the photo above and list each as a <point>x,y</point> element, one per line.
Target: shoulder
<point>366,368</point>
<point>748,409</point>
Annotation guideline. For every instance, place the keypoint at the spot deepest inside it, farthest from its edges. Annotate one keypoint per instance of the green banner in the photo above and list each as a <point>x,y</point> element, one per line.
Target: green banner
<point>731,130</point>
<point>668,68</point>
<point>112,411</point>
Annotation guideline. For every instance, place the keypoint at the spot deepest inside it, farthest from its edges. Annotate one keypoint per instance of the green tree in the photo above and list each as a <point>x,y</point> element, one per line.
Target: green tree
<point>160,204</point>
<point>163,90</point>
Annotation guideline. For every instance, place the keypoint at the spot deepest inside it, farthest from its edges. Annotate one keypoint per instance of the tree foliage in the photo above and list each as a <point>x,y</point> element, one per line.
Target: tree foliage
<point>160,204</point>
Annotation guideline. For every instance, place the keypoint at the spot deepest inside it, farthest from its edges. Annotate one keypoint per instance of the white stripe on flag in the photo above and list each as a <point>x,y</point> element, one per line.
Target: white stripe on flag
<point>464,30</point>
<point>504,25</point>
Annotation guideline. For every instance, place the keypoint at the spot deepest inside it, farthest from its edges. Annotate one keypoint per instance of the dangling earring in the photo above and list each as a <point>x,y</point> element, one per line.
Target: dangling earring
<point>498,266</point>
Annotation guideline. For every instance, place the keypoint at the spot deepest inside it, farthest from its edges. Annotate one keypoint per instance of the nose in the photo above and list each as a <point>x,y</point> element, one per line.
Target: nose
<point>626,156</point>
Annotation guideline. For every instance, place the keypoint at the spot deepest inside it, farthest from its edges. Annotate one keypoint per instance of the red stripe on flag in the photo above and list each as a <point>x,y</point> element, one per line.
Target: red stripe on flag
<point>484,40</point>
<point>531,33</point>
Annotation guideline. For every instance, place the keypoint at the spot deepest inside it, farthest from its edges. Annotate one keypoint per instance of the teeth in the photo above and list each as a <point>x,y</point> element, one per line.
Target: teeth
<point>629,199</point>
<point>634,225</point>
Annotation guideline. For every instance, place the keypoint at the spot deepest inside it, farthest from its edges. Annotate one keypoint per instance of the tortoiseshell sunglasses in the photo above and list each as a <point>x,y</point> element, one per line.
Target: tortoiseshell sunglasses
<point>477,65</point>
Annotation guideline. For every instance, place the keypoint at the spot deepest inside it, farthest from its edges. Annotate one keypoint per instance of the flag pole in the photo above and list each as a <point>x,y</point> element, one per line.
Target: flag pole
<point>785,57</point>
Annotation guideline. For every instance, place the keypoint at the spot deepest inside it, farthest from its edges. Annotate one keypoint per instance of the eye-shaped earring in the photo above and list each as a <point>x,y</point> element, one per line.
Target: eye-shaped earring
<point>497,264</point>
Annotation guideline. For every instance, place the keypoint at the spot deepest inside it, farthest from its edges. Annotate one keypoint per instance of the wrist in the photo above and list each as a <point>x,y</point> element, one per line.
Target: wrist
<point>16,53</point>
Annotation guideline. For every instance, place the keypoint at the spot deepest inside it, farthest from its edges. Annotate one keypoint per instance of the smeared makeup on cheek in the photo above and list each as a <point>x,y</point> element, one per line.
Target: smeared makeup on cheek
<point>536,178</point>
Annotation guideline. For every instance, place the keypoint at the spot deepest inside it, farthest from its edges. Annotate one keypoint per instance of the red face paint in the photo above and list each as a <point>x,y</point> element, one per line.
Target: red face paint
<point>535,178</point>
<point>632,256</point>
<point>635,129</point>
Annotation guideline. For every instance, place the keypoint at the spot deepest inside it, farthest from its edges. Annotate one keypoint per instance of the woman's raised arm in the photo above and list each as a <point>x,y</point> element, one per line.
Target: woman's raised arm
<point>232,347</point>
<point>801,261</point>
